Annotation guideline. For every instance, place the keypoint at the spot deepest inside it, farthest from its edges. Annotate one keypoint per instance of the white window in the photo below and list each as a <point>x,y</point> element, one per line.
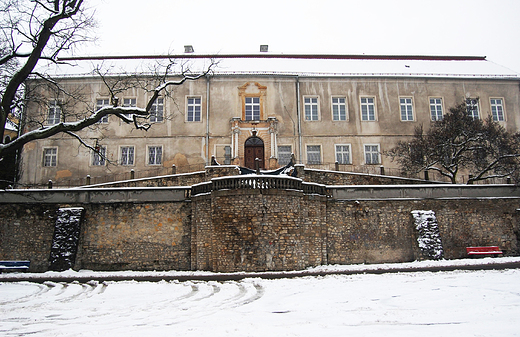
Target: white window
<point>497,109</point>
<point>372,154</point>
<point>313,154</point>
<point>252,108</point>
<point>406,104</point>
<point>339,109</point>
<point>472,107</point>
<point>194,107</point>
<point>436,108</point>
<point>343,154</point>
<point>99,104</point>
<point>154,155</point>
<point>129,102</point>
<point>368,109</point>
<point>50,156</point>
<point>99,156</point>
<point>127,155</point>
<point>54,114</point>
<point>311,108</point>
<point>157,110</point>
<point>284,154</point>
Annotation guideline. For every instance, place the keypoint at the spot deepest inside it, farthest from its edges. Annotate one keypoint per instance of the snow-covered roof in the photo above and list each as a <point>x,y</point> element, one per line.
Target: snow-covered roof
<point>301,65</point>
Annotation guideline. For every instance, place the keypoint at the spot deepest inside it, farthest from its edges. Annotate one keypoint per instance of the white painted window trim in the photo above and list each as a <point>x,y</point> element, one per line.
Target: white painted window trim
<point>349,153</point>
<point>188,105</point>
<point>318,117</point>
<point>378,154</point>
<point>332,104</point>
<point>361,104</point>
<point>406,105</point>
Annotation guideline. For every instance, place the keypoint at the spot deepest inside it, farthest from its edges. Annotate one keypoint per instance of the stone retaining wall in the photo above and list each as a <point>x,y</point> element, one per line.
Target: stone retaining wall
<point>256,229</point>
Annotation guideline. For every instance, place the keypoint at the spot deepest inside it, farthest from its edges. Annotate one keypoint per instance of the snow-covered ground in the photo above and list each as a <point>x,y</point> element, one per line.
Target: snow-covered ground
<point>453,303</point>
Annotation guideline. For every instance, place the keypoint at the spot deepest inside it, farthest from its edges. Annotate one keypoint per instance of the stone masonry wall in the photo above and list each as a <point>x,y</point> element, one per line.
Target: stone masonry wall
<point>26,233</point>
<point>127,236</point>
<point>382,231</point>
<point>349,178</point>
<point>264,230</point>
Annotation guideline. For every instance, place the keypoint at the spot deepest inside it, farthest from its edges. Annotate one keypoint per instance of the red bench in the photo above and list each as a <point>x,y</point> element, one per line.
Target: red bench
<point>489,250</point>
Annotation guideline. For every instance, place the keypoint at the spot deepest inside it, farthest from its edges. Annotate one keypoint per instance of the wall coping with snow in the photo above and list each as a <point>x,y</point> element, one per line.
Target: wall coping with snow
<point>181,193</point>
<point>418,192</point>
<point>95,195</point>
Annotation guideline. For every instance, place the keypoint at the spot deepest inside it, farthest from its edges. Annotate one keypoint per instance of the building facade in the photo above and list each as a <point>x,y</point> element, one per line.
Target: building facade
<point>259,117</point>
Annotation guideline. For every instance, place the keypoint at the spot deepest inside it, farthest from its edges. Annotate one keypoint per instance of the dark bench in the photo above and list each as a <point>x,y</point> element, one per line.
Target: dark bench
<point>14,265</point>
<point>489,250</point>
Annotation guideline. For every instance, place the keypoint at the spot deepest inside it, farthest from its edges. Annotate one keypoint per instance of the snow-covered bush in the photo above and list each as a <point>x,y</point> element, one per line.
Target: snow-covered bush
<point>429,238</point>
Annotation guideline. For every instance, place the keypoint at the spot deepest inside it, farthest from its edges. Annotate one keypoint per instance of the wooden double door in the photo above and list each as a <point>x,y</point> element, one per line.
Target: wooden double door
<point>253,149</point>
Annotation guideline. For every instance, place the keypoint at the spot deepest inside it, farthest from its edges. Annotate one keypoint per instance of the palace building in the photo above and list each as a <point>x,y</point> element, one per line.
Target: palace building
<point>259,110</point>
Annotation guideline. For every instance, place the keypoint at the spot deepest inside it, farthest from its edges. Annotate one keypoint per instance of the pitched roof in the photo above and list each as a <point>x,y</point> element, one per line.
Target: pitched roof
<point>303,65</point>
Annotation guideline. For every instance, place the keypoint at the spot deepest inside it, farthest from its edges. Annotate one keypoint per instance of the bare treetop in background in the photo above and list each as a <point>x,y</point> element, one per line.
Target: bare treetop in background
<point>484,149</point>
<point>34,33</point>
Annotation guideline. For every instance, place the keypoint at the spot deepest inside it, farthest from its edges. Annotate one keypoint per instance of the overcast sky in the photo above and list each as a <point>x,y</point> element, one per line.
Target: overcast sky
<point>429,27</point>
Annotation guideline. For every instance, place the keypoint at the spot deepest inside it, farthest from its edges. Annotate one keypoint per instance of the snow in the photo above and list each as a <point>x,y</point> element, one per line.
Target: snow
<point>458,303</point>
<point>302,67</point>
<point>429,238</point>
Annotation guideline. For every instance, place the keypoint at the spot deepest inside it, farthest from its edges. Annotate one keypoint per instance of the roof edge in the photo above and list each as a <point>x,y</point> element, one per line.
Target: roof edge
<point>278,56</point>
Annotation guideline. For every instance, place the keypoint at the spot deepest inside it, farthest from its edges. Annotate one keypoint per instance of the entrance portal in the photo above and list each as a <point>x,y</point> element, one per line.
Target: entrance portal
<point>254,148</point>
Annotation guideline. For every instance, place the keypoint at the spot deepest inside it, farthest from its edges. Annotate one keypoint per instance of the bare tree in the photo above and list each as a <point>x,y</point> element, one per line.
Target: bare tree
<point>460,142</point>
<point>36,31</point>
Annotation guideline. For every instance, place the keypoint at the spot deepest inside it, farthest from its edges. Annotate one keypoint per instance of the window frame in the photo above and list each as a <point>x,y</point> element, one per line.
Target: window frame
<point>311,104</point>
<point>153,113</point>
<point>378,154</point>
<point>409,108</point>
<point>349,159</point>
<point>252,104</point>
<point>307,152</point>
<point>54,155</point>
<point>155,157</point>
<point>278,154</point>
<point>361,104</point>
<point>194,106</point>
<point>129,105</point>
<point>334,104</point>
<point>477,107</point>
<point>502,105</point>
<point>57,112</point>
<point>97,159</point>
<point>436,105</point>
<point>104,119</point>
<point>121,148</point>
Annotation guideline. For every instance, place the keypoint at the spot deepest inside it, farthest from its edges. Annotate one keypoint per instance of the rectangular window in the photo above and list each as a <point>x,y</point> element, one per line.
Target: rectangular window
<point>472,107</point>
<point>406,108</point>
<point>154,155</point>
<point>339,109</point>
<point>368,109</point>
<point>127,155</point>
<point>436,109</point>
<point>50,156</point>
<point>497,109</point>
<point>311,108</point>
<point>284,154</point>
<point>252,108</point>
<point>157,110</point>
<point>194,106</point>
<point>99,156</point>
<point>99,104</point>
<point>54,114</point>
<point>227,155</point>
<point>129,102</point>
<point>343,154</point>
<point>372,154</point>
<point>313,154</point>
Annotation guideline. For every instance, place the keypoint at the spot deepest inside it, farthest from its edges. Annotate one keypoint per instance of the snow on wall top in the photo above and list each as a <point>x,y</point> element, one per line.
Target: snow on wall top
<point>301,65</point>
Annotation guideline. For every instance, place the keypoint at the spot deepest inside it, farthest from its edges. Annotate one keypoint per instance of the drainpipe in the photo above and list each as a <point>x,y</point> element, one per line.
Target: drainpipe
<point>207,119</point>
<point>299,118</point>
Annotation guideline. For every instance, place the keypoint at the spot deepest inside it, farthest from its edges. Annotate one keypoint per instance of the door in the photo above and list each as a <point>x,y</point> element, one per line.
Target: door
<point>254,148</point>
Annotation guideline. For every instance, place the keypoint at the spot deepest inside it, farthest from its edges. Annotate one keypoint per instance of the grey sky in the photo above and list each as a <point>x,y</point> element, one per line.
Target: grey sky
<point>440,27</point>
